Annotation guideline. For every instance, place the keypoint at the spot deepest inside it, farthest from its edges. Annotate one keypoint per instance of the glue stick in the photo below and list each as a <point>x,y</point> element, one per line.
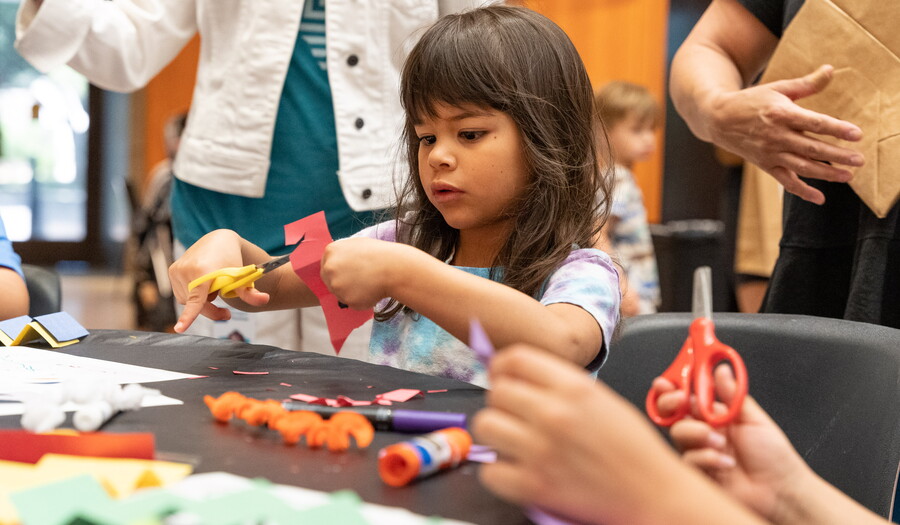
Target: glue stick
<point>422,456</point>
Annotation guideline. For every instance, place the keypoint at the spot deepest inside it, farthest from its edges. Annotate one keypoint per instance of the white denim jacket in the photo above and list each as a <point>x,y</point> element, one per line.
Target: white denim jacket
<point>246,46</point>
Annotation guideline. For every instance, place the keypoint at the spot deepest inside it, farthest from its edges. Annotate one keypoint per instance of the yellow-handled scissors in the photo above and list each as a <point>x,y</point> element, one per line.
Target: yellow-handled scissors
<point>227,280</point>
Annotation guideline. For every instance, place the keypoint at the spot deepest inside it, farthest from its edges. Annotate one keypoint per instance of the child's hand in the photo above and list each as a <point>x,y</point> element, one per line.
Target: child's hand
<point>750,458</point>
<point>214,251</point>
<point>566,442</point>
<point>359,271</point>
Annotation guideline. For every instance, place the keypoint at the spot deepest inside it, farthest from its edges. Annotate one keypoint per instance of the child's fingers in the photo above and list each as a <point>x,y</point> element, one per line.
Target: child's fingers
<point>662,384</point>
<point>708,459</point>
<point>252,296</point>
<point>509,436</point>
<point>198,302</point>
<point>520,399</point>
<point>726,385</point>
<point>669,402</point>
<point>508,481</point>
<point>694,434</point>
<point>537,367</point>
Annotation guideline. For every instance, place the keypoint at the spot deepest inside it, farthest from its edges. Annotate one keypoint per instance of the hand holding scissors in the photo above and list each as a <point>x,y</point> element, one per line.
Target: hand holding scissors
<point>226,281</point>
<point>692,370</point>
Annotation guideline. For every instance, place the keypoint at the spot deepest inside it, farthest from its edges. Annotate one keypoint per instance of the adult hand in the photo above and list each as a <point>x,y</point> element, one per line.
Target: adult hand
<point>568,443</point>
<point>214,251</point>
<point>764,125</point>
<point>750,458</point>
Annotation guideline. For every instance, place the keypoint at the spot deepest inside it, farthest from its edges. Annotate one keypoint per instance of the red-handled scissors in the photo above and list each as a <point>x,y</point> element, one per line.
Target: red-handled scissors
<point>692,370</point>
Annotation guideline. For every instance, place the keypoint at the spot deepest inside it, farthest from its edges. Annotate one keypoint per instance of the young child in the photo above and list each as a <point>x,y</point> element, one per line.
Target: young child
<point>495,219</point>
<point>631,115</point>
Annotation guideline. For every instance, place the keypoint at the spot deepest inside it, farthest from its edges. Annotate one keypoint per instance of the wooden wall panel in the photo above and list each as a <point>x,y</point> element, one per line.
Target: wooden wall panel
<point>621,40</point>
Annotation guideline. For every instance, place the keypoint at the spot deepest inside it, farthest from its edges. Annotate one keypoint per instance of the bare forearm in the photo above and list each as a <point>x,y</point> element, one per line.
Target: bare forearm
<point>816,502</point>
<point>15,295</point>
<point>450,297</point>
<point>699,74</point>
<point>724,52</point>
<point>686,497</point>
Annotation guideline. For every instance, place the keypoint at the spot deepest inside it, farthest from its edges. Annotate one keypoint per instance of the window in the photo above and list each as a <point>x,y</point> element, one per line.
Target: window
<point>59,198</point>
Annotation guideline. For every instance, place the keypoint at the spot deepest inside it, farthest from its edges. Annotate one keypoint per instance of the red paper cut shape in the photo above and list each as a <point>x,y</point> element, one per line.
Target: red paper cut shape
<point>306,260</point>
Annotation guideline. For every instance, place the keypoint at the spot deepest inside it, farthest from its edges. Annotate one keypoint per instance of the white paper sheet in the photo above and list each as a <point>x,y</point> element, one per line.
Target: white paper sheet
<point>33,372</point>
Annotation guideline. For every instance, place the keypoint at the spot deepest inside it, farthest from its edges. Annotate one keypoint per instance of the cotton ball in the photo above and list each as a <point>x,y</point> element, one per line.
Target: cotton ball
<point>87,390</point>
<point>42,416</point>
<point>91,416</point>
<point>131,396</point>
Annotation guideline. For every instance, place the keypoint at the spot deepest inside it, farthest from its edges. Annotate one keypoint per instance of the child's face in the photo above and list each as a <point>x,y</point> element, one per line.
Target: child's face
<point>632,140</point>
<point>472,166</point>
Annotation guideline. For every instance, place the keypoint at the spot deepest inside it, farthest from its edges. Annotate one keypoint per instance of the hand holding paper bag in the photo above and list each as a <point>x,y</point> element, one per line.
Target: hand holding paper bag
<point>765,125</point>
<point>859,38</point>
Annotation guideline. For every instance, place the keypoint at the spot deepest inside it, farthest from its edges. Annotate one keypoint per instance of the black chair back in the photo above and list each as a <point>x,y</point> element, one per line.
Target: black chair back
<point>832,385</point>
<point>43,289</point>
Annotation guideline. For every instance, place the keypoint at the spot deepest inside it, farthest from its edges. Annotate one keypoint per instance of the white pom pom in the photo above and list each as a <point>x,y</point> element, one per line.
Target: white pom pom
<point>91,416</point>
<point>42,416</point>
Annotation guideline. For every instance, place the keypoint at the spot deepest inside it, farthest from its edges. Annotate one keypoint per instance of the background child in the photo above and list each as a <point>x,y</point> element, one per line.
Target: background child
<point>500,195</point>
<point>631,115</point>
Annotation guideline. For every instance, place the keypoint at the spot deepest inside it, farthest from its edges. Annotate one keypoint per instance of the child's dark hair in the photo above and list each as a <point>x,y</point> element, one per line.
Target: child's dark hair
<point>516,61</point>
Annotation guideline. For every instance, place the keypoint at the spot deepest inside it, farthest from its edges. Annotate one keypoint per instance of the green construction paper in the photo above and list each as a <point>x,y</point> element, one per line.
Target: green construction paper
<point>144,507</point>
<point>344,507</point>
<point>58,502</point>
<point>254,505</point>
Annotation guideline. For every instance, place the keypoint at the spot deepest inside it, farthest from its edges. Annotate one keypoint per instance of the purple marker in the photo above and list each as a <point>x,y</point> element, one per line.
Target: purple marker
<point>384,418</point>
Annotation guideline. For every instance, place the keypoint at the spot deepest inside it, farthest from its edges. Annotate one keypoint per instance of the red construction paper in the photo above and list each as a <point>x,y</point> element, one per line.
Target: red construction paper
<point>26,447</point>
<point>345,401</point>
<point>304,397</point>
<point>400,395</point>
<point>238,372</point>
<point>435,391</point>
<point>306,259</point>
<point>388,398</point>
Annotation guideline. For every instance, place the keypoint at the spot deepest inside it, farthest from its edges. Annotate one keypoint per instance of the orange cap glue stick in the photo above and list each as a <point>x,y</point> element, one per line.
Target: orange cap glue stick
<point>422,456</point>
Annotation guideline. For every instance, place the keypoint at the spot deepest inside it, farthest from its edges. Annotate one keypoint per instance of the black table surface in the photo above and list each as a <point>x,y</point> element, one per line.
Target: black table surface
<point>189,433</point>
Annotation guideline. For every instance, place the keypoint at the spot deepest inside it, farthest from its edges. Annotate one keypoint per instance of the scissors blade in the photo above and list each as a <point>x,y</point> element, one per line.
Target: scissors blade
<point>278,261</point>
<point>702,301</point>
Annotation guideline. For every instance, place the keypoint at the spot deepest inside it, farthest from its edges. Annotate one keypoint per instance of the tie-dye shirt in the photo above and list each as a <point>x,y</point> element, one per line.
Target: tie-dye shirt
<point>587,278</point>
<point>632,242</point>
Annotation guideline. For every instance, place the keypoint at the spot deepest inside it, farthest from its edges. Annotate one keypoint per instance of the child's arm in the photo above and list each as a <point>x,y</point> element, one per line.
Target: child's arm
<point>360,272</point>
<point>572,446</point>
<point>280,289</point>
<point>753,461</point>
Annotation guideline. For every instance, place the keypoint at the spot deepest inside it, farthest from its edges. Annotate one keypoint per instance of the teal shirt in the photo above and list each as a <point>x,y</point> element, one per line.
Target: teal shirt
<point>302,176</point>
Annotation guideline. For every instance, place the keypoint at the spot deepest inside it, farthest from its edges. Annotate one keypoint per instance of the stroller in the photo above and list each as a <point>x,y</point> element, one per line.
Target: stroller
<point>152,255</point>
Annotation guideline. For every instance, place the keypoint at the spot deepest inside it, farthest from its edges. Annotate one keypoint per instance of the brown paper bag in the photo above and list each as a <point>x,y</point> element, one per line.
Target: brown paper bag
<point>861,40</point>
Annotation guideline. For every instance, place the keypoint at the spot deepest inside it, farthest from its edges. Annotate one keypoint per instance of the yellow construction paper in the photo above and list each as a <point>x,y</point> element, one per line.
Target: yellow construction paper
<point>120,477</point>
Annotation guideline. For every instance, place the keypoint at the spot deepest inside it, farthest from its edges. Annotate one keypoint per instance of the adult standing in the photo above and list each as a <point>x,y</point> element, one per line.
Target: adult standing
<point>295,109</point>
<point>837,259</point>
